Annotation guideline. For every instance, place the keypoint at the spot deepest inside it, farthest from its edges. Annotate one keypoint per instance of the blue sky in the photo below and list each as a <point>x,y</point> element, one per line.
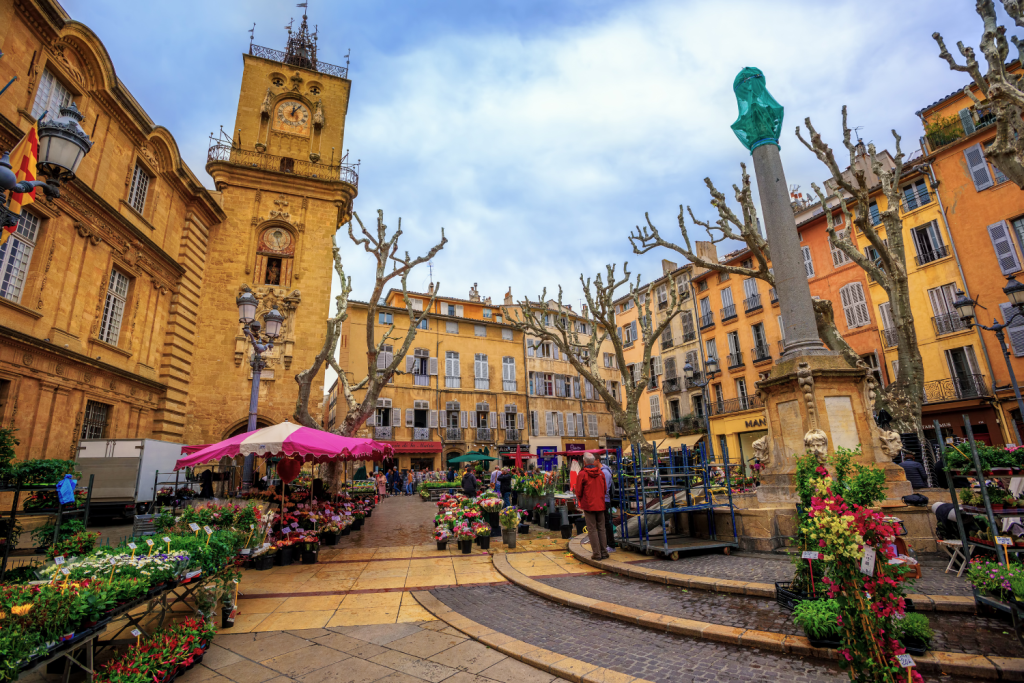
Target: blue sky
<point>537,133</point>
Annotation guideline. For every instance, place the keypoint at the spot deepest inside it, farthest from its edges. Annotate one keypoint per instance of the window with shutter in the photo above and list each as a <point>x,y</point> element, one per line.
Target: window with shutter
<point>1006,254</point>
<point>480,330</point>
<point>655,406</point>
<point>549,423</point>
<point>855,306</point>
<point>570,424</point>
<point>396,416</point>
<point>579,424</point>
<point>433,419</point>
<point>409,415</point>
<point>506,335</point>
<point>493,419</point>
<point>520,419</point>
<point>727,297</point>
<point>591,425</point>
<point>885,313</point>
<point>534,424</point>
<point>463,419</point>
<point>15,256</point>
<point>458,310</point>
<point>432,366</point>
<point>967,121</point>
<point>977,166</point>
<point>560,420</point>
<point>1015,331</point>
<point>808,261</point>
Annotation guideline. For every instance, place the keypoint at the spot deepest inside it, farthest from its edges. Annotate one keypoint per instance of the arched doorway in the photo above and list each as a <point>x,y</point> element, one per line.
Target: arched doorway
<point>242,427</point>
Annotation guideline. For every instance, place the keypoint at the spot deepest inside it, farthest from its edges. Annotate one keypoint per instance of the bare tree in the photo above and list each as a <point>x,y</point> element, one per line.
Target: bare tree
<point>379,367</point>
<point>1003,92</point>
<point>585,357</point>
<point>851,192</point>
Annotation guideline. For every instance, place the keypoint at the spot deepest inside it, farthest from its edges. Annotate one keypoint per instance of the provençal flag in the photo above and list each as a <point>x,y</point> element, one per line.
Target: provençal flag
<point>23,163</point>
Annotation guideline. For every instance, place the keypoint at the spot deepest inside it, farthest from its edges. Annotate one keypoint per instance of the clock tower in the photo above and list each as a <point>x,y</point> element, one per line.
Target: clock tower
<point>286,187</point>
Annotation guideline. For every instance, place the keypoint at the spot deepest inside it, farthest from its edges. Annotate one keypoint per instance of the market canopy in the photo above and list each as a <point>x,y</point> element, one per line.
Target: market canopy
<point>290,439</point>
<point>472,456</point>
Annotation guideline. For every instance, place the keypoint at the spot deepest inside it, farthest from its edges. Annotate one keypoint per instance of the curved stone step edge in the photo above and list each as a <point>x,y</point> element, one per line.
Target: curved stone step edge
<point>924,603</point>
<point>978,666</point>
<point>553,663</point>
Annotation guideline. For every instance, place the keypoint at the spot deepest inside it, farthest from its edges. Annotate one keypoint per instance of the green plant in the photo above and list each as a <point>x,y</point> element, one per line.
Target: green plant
<point>43,536</point>
<point>818,618</point>
<point>39,472</point>
<point>915,625</point>
<point>509,518</point>
<point>996,495</point>
<point>7,444</point>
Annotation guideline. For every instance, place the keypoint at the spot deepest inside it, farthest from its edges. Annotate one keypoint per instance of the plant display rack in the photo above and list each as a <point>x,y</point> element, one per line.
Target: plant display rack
<point>177,483</point>
<point>673,484</point>
<point>59,511</point>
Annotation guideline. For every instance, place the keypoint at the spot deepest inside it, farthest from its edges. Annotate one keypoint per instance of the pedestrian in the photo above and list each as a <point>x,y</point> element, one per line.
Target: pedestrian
<point>916,475</point>
<point>382,484</point>
<point>609,530</point>
<point>495,473</point>
<point>590,490</point>
<point>505,483</point>
<point>399,483</point>
<point>469,483</point>
<point>408,482</point>
<point>451,473</point>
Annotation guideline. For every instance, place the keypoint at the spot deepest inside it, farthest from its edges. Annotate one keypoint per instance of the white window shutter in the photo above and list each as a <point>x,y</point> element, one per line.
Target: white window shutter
<point>1002,243</point>
<point>570,424</point>
<point>396,417</point>
<point>472,420</point>
<point>549,423</point>
<point>486,369</point>
<point>463,419</point>
<point>1015,331</point>
<point>520,419</point>
<point>408,417</point>
<point>432,366</point>
<point>579,424</point>
<point>977,166</point>
<point>494,420</point>
<point>560,419</point>
<point>967,121</point>
<point>433,419</point>
<point>657,365</point>
<point>529,348</point>
<point>408,363</point>
<point>554,351</point>
<point>458,367</point>
<point>808,261</point>
<point>381,360</point>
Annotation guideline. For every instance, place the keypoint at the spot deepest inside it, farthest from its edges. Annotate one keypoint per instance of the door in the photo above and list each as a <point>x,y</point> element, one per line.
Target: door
<point>946,318</point>
<point>963,370</point>
<point>760,342</point>
<point>741,393</point>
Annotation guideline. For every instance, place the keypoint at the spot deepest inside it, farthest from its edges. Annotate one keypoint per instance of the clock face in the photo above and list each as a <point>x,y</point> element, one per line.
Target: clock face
<point>277,240</point>
<point>292,117</point>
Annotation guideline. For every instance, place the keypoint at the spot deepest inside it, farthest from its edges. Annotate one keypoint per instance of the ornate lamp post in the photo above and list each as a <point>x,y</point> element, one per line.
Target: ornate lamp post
<point>62,146</point>
<point>261,343</point>
<point>964,306</point>
<point>710,370</point>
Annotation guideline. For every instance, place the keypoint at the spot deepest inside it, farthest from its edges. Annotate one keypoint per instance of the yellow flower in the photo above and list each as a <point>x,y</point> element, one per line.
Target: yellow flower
<point>21,610</point>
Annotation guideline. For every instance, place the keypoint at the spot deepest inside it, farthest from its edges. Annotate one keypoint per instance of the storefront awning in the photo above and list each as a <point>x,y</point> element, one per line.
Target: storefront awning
<point>690,440</point>
<point>415,446</point>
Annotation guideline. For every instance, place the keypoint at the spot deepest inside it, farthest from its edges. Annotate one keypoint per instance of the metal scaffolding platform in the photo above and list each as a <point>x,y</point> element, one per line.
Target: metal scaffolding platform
<point>678,490</point>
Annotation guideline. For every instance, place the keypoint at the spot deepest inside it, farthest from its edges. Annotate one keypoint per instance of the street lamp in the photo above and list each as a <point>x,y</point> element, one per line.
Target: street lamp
<point>62,146</point>
<point>965,306</point>
<point>247,304</point>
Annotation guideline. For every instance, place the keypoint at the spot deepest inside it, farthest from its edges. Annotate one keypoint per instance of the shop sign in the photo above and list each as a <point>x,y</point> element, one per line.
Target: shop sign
<point>545,461</point>
<point>510,450</point>
<point>575,446</point>
<point>759,422</point>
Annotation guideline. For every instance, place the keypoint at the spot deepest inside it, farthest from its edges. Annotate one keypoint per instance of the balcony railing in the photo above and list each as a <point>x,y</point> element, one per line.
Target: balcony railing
<point>382,432</point>
<point>773,295</point>
<point>299,61</point>
<point>915,201</point>
<point>707,320</point>
<point>672,385</point>
<point>728,312</point>
<point>933,255</point>
<point>735,359</point>
<point>695,381</point>
<point>940,136</point>
<point>752,303</point>
<point>483,434</point>
<point>628,344</point>
<point>452,382</point>
<point>734,405</point>
<point>890,338</point>
<point>760,353</point>
<point>655,421</point>
<point>345,172</point>
<point>687,424</point>
<point>482,383</point>
<point>452,434</point>
<point>421,434</point>
<point>421,380</point>
<point>511,435</point>
<point>689,336</point>
<point>508,385</point>
<point>667,344</point>
<point>948,324</point>
<point>968,386</point>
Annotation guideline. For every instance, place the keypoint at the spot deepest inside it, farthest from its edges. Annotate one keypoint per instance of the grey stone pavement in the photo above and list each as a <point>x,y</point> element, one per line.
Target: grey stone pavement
<point>953,632</point>
<point>769,568</point>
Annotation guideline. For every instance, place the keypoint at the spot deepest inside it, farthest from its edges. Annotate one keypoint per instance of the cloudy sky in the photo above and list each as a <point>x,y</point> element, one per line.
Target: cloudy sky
<point>538,132</point>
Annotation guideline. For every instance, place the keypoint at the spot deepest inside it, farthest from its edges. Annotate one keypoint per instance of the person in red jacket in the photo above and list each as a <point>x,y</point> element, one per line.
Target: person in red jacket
<point>590,488</point>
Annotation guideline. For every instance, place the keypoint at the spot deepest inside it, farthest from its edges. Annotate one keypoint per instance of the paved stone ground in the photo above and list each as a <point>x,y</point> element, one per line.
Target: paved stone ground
<point>769,568</point>
<point>633,650</point>
<point>953,632</point>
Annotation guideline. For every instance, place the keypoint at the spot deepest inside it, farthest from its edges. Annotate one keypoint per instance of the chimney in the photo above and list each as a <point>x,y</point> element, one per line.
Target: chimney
<point>667,266</point>
<point>487,301</point>
<point>508,297</point>
<point>474,295</point>
<point>584,310</point>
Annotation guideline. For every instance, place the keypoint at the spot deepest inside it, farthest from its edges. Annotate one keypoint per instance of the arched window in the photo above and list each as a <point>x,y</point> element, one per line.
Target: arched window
<point>275,249</point>
<point>855,306</point>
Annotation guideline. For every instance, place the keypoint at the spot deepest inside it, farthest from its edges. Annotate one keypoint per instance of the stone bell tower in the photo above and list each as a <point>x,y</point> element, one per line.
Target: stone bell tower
<point>286,186</point>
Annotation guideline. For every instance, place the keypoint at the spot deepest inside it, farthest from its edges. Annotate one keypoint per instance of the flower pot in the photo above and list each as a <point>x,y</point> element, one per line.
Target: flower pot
<point>825,642</point>
<point>913,646</point>
<point>263,562</point>
<point>523,528</point>
<point>328,537</point>
<point>493,519</point>
<point>346,531</point>
<point>566,531</point>
<point>466,546</point>
<point>227,617</point>
<point>310,556</point>
<point>508,537</point>
<point>580,523</point>
<point>484,542</point>
<point>442,545</point>
<point>284,556</point>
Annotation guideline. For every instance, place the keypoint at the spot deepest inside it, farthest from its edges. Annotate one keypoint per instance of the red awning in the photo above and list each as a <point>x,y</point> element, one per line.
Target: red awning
<point>189,450</point>
<point>415,446</point>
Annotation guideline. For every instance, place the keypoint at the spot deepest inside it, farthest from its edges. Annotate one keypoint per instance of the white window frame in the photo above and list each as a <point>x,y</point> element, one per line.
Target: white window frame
<point>480,330</point>
<point>139,188</point>
<point>51,95</point>
<point>451,327</point>
<point>506,335</point>
<point>16,256</point>
<point>113,307</point>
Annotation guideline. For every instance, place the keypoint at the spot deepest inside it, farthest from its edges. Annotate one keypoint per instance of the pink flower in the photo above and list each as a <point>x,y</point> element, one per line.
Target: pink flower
<point>821,543</point>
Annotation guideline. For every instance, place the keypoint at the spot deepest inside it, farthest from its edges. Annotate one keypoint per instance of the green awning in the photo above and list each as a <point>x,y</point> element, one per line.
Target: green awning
<point>472,456</point>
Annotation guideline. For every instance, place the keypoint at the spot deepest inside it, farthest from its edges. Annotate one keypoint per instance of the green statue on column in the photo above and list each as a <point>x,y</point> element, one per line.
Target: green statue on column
<point>760,119</point>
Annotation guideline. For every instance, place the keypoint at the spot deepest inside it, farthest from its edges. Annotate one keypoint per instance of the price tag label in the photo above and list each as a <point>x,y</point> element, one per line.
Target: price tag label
<point>65,571</point>
<point>252,527</point>
<point>136,632</point>
<point>132,546</point>
<point>265,545</point>
<point>113,560</point>
<point>906,661</point>
<point>335,518</point>
<point>207,529</point>
<point>810,555</point>
<point>246,551</point>
<point>193,526</point>
<point>58,560</point>
<point>1004,540</point>
<point>167,539</point>
<point>149,542</point>
<point>867,563</point>
<point>192,575</point>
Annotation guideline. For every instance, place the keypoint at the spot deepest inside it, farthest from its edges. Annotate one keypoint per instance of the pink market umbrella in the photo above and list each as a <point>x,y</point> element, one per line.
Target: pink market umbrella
<point>290,439</point>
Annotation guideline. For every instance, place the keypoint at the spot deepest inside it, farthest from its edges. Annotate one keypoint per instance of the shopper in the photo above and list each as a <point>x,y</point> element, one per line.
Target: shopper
<point>505,484</point>
<point>916,475</point>
<point>495,473</point>
<point>590,491</point>
<point>398,482</point>
<point>408,482</point>
<point>451,473</point>
<point>382,484</point>
<point>469,483</point>
<point>609,530</point>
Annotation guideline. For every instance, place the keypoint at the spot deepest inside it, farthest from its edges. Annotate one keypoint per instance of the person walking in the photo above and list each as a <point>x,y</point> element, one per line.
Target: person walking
<point>399,482</point>
<point>495,473</point>
<point>916,475</point>
<point>408,482</point>
<point>382,484</point>
<point>451,474</point>
<point>590,491</point>
<point>609,530</point>
<point>505,484</point>
<point>469,483</point>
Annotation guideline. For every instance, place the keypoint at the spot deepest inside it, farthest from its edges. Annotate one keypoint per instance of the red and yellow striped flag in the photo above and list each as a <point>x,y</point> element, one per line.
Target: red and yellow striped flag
<point>23,162</point>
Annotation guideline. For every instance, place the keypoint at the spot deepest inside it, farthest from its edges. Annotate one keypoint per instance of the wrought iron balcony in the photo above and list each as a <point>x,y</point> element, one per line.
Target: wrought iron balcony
<point>707,320</point>
<point>421,380</point>
<point>421,434</point>
<point>729,312</point>
<point>933,255</point>
<point>760,353</point>
<point>452,382</point>
<point>628,344</point>
<point>734,405</point>
<point>672,385</point>
<point>483,434</point>
<point>482,383</point>
<point>511,435</point>
<point>452,434</point>
<point>687,424</point>
<point>655,421</point>
<point>735,359</point>
<point>345,172</point>
<point>940,136</point>
<point>955,388</point>
<point>948,324</point>
<point>752,303</point>
<point>773,295</point>
<point>295,60</point>
<point>689,337</point>
<point>508,385</point>
<point>382,433</point>
<point>889,337</point>
<point>915,200</point>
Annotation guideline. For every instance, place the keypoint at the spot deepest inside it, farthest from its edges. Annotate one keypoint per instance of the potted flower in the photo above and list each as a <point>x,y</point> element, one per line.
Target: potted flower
<point>483,535</point>
<point>524,521</point>
<point>996,496</point>
<point>329,533</point>
<point>441,536</point>
<point>464,533</point>
<point>509,520</point>
<point>914,633</point>
<point>310,546</point>
<point>820,621</point>
<point>263,557</point>
<point>285,553</point>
